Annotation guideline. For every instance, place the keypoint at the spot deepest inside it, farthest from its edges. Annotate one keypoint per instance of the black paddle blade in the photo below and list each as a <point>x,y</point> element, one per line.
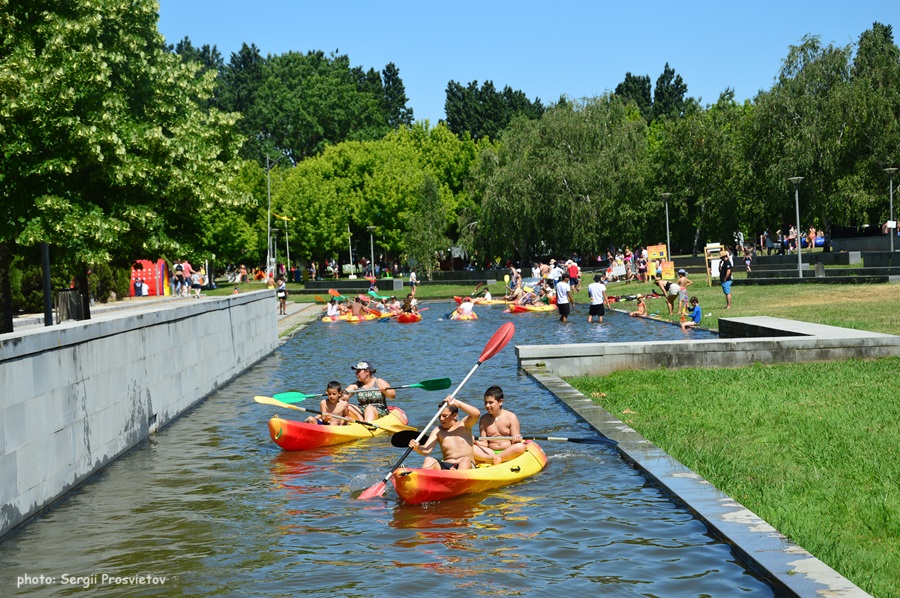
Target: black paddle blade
<point>401,439</point>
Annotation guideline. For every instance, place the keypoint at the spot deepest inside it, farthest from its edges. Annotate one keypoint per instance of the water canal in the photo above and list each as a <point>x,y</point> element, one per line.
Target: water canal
<point>211,504</point>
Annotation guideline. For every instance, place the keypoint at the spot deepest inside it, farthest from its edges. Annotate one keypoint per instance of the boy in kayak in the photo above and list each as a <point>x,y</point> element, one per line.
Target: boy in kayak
<point>336,402</point>
<point>497,422</point>
<point>454,436</point>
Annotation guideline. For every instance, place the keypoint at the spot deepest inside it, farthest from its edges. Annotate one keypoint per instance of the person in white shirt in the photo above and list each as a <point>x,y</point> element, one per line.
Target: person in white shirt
<point>597,293</point>
<point>563,297</point>
<point>465,307</point>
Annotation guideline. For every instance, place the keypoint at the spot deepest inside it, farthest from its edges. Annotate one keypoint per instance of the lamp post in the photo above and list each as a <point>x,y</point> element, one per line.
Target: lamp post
<point>666,197</point>
<point>287,241</point>
<point>892,231</point>
<point>269,166</point>
<point>350,241</point>
<point>796,180</point>
<point>372,248</point>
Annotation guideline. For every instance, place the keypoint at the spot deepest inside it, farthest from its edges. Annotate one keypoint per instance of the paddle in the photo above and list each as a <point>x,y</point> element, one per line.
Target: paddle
<point>477,286</point>
<point>388,428</point>
<point>433,384</point>
<point>493,346</point>
<point>335,293</point>
<point>401,439</point>
<point>321,299</point>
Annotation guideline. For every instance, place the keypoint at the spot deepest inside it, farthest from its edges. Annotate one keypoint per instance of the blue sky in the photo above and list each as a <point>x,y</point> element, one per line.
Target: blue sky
<point>576,48</point>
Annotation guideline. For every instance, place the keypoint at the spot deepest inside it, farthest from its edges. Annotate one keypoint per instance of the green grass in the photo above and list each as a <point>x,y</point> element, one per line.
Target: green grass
<point>810,448</point>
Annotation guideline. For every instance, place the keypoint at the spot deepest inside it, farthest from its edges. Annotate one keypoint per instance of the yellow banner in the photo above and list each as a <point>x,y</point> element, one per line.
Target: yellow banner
<point>668,270</point>
<point>657,252</point>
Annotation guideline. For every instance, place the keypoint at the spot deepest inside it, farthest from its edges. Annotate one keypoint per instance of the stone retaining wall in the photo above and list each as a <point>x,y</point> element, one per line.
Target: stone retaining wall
<point>78,395</point>
<point>744,341</point>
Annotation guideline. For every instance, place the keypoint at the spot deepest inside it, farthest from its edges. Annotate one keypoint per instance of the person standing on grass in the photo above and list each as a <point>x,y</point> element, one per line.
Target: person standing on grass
<point>564,299</point>
<point>725,268</point>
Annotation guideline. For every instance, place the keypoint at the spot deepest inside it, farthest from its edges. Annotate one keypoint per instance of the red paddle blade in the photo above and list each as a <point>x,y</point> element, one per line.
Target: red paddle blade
<point>373,491</point>
<point>497,342</point>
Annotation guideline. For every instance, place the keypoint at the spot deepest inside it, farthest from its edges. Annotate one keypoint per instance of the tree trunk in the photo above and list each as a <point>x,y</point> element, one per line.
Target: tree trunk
<point>6,311</point>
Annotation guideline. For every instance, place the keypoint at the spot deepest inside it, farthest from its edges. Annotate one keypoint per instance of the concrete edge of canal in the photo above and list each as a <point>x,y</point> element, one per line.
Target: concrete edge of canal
<point>790,569</point>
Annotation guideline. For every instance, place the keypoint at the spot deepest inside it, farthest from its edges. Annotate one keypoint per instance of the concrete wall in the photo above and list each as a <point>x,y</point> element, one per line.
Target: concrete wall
<point>75,396</point>
<point>748,340</point>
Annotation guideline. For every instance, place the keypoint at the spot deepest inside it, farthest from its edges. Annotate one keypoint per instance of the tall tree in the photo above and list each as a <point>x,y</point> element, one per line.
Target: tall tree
<point>485,112</point>
<point>571,181</point>
<point>636,88</point>
<point>109,148</point>
<point>395,100</point>
<point>669,94</point>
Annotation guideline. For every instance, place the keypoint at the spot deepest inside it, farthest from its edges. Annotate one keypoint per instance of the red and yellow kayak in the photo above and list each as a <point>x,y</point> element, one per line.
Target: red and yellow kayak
<point>458,316</point>
<point>518,309</point>
<point>416,486</point>
<point>408,318</point>
<point>300,436</point>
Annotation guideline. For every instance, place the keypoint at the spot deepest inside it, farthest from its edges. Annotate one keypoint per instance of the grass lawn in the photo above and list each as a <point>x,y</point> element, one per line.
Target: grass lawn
<point>814,449</point>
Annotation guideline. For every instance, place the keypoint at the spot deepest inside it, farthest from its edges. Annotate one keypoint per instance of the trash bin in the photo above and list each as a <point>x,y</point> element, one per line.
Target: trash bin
<point>820,270</point>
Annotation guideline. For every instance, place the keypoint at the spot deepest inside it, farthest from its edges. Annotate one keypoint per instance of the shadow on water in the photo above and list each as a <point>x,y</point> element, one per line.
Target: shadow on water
<point>213,505</point>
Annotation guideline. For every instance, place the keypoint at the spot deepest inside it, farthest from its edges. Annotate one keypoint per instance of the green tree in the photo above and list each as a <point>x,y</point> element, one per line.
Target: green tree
<point>395,100</point>
<point>669,94</point>
<point>485,112</point>
<point>108,148</point>
<point>425,238</point>
<point>636,88</point>
<point>571,181</point>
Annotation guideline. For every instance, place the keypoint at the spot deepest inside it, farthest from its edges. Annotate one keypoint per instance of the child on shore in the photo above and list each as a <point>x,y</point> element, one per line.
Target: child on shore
<point>693,318</point>
<point>683,282</point>
<point>641,311</point>
<point>497,422</point>
<point>454,437</point>
<point>336,402</point>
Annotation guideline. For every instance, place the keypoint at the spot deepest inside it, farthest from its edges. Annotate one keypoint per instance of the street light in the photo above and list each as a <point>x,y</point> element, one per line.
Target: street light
<point>372,248</point>
<point>892,231</point>
<point>796,180</point>
<point>287,240</point>
<point>269,166</point>
<point>666,197</point>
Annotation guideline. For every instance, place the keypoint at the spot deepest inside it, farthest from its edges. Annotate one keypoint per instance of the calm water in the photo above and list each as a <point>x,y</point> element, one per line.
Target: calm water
<point>213,505</point>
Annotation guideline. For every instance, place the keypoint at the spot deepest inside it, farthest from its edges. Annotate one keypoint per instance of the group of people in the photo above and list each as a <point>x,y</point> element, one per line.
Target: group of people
<point>187,280</point>
<point>500,437</point>
<point>360,305</point>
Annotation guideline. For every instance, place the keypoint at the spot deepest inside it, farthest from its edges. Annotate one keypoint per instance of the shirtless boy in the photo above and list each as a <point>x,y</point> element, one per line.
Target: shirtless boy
<point>497,422</point>
<point>337,402</point>
<point>454,436</point>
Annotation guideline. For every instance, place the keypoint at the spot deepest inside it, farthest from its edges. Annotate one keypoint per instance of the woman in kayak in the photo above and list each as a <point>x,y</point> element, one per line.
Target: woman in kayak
<point>336,402</point>
<point>371,393</point>
<point>454,436</point>
<point>497,422</point>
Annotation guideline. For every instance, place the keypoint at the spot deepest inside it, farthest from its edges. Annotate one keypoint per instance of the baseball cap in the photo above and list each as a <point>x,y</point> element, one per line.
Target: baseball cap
<point>552,261</point>
<point>639,296</point>
<point>363,365</point>
<point>682,271</point>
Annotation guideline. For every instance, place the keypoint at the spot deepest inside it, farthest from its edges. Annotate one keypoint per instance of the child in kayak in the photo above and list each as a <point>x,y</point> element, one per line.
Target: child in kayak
<point>336,402</point>
<point>497,422</point>
<point>454,436</point>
